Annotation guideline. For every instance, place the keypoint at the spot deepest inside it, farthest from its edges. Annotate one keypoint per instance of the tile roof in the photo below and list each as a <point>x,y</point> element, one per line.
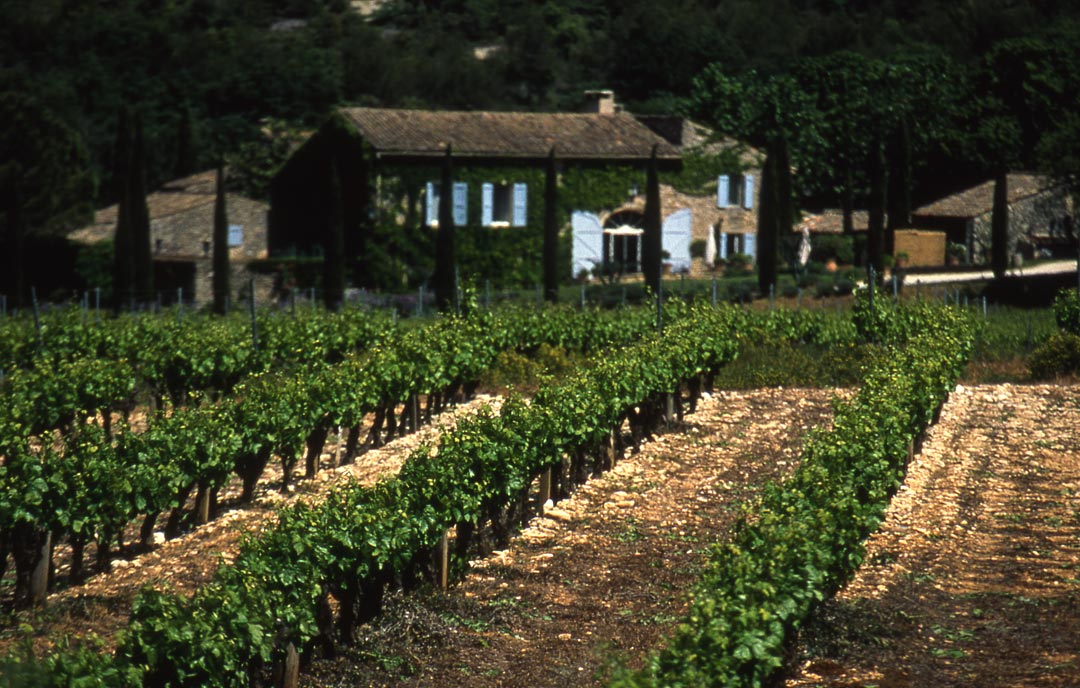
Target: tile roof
<point>524,135</point>
<point>979,200</point>
<point>176,196</point>
<point>691,136</point>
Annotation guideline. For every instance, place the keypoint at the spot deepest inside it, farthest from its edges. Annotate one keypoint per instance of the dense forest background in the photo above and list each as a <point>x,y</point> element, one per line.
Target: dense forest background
<point>954,90</point>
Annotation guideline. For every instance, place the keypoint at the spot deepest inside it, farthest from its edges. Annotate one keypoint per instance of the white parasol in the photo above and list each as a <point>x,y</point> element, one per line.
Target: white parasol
<point>804,247</point>
<point>624,230</point>
<point>710,247</point>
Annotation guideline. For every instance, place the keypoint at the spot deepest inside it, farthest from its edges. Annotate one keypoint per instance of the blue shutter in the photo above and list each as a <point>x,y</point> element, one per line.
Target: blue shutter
<point>722,186</point>
<point>748,194</point>
<point>749,245</point>
<point>521,201</point>
<point>487,203</point>
<point>675,239</point>
<point>236,235</point>
<point>723,245</point>
<point>587,247</point>
<point>431,204</point>
<point>461,204</point>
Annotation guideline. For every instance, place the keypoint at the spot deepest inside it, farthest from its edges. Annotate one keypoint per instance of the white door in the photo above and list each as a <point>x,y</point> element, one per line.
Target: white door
<point>675,239</point>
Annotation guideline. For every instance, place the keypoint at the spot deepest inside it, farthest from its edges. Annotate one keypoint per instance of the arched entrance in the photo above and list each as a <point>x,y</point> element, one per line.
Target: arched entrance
<point>622,242</point>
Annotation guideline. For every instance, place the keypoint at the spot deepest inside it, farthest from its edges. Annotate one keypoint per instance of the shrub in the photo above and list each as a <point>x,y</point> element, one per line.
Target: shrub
<point>1060,355</point>
<point>833,247</point>
<point>1067,311</point>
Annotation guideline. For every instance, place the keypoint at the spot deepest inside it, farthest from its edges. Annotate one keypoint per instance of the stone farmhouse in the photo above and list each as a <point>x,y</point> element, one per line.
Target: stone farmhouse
<point>181,233</point>
<point>388,162</point>
<point>1040,218</point>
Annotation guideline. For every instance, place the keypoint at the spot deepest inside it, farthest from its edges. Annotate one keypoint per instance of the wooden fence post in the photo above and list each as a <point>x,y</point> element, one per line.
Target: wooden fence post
<point>444,561</point>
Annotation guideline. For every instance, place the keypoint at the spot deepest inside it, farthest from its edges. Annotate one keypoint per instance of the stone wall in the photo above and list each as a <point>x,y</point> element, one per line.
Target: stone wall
<point>1028,218</point>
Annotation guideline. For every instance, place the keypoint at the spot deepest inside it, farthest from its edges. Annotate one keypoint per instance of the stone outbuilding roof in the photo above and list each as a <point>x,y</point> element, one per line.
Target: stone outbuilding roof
<point>979,200</point>
<point>176,196</point>
<point>831,221</point>
<point>520,135</point>
<point>689,136</point>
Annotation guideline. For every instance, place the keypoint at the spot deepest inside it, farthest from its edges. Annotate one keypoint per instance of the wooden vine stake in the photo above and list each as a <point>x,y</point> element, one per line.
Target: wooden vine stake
<point>545,488</point>
<point>290,675</point>
<point>444,561</point>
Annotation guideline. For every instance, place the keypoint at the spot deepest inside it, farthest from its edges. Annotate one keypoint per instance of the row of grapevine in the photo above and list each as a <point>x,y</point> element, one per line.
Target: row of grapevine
<point>805,539</point>
<point>87,485</point>
<point>351,547</point>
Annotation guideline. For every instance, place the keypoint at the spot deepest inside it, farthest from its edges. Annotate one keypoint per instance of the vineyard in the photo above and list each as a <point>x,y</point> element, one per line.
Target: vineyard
<point>150,419</point>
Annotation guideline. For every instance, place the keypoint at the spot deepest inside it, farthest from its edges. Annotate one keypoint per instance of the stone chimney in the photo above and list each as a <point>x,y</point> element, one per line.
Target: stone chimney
<point>600,102</point>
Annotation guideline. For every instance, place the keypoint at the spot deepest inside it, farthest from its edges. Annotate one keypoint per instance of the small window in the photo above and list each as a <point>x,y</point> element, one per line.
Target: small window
<point>504,204</point>
<point>236,235</point>
<point>460,203</point>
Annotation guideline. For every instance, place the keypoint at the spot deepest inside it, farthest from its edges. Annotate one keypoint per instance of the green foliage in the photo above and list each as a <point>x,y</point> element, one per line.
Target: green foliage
<point>1059,355</point>
<point>805,539</point>
<point>1067,311</point>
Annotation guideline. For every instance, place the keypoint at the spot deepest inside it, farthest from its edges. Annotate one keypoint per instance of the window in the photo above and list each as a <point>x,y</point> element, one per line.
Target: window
<point>460,204</point>
<point>236,235</point>
<point>735,190</point>
<point>504,204</point>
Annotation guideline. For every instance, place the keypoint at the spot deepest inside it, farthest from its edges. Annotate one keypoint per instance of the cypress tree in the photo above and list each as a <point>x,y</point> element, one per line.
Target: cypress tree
<point>551,230</point>
<point>999,226</point>
<point>768,221</point>
<point>899,200</point>
<point>140,219</point>
<point>123,256</point>
<point>785,217</point>
<point>334,250</point>
<point>652,247</point>
<point>875,230</point>
<point>221,246</point>
<point>444,280</point>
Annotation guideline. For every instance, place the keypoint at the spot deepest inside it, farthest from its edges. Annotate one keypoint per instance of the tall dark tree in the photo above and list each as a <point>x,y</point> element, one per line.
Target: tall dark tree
<point>140,219</point>
<point>445,279</point>
<point>334,249</point>
<point>551,229</point>
<point>123,240</point>
<point>785,196</point>
<point>899,187</point>
<point>768,228</point>
<point>999,226</point>
<point>221,246</point>
<point>652,246</point>
<point>875,229</point>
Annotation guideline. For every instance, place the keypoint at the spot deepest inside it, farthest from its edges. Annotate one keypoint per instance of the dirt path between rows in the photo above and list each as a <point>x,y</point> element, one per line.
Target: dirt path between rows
<point>606,577</point>
<point>974,578</point>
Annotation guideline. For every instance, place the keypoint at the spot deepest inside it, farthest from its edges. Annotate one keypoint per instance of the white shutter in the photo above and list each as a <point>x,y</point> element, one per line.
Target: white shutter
<point>521,200</point>
<point>461,204</point>
<point>723,184</point>
<point>431,204</point>
<point>750,246</point>
<point>723,245</point>
<point>675,239</point>
<point>487,203</point>
<point>748,192</point>
<point>587,248</point>
<point>236,235</point>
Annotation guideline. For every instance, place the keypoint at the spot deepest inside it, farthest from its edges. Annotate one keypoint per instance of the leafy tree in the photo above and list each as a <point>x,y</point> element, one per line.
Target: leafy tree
<point>875,230</point>
<point>221,246</point>
<point>45,183</point>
